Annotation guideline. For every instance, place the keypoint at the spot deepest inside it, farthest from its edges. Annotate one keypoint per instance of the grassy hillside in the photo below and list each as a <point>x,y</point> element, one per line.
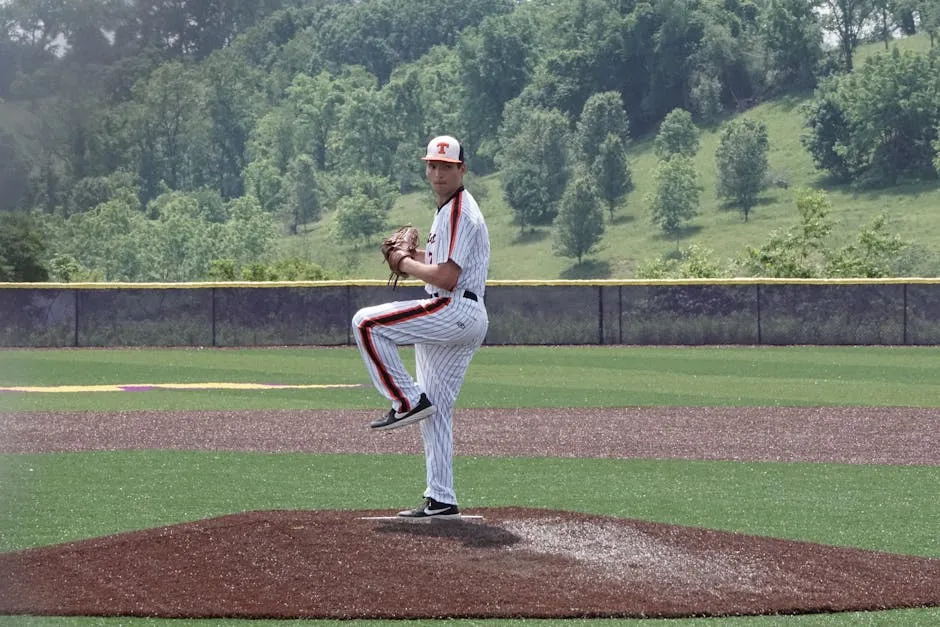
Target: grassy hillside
<point>631,238</point>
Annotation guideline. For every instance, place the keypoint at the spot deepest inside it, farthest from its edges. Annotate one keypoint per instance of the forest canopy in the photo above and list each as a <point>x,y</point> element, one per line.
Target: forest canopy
<point>142,130</point>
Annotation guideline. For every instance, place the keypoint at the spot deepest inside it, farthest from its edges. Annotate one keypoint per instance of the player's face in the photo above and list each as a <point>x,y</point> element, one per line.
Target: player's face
<point>445,178</point>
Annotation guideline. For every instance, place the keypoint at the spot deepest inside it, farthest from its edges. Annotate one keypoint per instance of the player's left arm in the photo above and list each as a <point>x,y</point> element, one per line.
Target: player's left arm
<point>441,275</point>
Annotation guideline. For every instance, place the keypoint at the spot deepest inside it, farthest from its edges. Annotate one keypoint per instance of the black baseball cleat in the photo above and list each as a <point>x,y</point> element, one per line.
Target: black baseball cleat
<point>432,509</point>
<point>392,420</point>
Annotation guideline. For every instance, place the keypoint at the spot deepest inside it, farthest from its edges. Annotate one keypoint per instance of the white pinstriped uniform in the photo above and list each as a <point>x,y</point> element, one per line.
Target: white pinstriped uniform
<point>447,328</point>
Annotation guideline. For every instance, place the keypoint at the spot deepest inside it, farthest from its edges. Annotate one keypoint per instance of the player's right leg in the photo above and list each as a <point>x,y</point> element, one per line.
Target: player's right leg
<point>381,329</point>
<point>379,349</point>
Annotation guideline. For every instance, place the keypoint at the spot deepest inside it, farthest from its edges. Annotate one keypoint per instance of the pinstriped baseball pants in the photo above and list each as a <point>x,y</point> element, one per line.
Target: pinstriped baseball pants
<point>446,332</point>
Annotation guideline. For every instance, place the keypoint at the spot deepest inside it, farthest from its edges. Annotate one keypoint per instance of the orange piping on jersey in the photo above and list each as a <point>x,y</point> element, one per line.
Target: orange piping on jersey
<point>454,221</point>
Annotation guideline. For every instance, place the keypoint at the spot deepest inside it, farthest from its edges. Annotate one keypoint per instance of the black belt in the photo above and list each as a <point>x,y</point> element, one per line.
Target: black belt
<point>466,294</point>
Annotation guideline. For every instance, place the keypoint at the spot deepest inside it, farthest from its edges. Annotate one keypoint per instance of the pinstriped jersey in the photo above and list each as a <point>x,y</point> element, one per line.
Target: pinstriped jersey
<point>459,233</point>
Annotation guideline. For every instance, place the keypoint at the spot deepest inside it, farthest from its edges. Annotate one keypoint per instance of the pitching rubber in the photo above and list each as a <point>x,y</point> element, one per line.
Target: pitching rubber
<point>426,519</point>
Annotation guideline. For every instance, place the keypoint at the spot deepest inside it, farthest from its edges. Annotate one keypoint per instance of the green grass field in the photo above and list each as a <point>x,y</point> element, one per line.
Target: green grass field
<point>48,498</point>
<point>500,376</point>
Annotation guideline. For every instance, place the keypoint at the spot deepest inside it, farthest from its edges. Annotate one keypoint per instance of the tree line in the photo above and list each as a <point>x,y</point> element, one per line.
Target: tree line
<point>179,139</point>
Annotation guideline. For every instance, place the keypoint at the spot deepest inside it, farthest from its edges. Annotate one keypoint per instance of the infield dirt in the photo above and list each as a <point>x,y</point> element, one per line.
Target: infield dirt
<point>515,562</point>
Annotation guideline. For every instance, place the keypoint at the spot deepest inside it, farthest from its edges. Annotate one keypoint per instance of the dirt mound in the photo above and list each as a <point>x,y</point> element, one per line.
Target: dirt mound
<point>512,562</point>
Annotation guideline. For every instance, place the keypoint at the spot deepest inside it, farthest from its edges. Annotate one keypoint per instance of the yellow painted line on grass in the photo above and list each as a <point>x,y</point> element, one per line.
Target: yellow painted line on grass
<point>143,387</point>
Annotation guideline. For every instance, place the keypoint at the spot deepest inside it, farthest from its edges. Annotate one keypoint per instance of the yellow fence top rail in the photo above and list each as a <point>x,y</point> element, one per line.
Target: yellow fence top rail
<point>513,283</point>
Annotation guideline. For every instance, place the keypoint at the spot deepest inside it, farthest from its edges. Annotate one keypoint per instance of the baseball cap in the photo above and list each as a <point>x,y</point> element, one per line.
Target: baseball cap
<point>444,148</point>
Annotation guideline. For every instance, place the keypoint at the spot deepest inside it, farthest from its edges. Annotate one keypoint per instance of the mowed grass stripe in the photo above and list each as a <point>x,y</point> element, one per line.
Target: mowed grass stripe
<point>652,389</point>
<point>184,365</point>
<point>905,363</point>
<point>196,400</point>
<point>542,376</point>
<point>86,366</point>
<point>611,377</point>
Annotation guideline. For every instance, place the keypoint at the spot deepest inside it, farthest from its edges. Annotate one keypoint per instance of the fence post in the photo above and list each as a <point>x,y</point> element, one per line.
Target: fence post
<point>213,316</point>
<point>904,323</point>
<point>760,340</point>
<point>75,309</point>
<point>349,339</point>
<point>620,314</point>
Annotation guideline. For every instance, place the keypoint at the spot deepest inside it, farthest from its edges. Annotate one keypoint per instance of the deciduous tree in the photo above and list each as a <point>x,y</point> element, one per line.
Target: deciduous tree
<point>22,249</point>
<point>611,173</point>
<point>796,252</point>
<point>877,125</point>
<point>169,129</point>
<point>742,162</point>
<point>873,255</point>
<point>847,19</point>
<point>302,203</point>
<point>675,196</point>
<point>178,240</point>
<point>677,135</point>
<point>250,232</point>
<point>495,64</point>
<point>792,37</point>
<point>603,114</point>
<point>231,115</point>
<point>579,226</point>
<point>112,239</point>
<point>694,262</point>
<point>928,11</point>
<point>358,218</point>
<point>535,168</point>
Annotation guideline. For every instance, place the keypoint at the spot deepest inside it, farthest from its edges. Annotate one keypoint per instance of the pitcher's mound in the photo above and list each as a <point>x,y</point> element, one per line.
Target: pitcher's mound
<point>511,563</point>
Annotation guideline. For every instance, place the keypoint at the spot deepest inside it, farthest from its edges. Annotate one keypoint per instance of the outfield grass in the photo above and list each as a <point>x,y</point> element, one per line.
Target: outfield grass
<point>48,498</point>
<point>500,376</point>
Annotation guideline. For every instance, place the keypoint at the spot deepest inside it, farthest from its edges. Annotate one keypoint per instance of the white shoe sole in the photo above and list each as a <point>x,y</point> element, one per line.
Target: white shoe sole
<point>417,417</point>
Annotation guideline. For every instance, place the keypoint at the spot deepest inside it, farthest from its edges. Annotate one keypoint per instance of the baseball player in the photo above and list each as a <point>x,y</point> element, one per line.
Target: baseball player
<point>446,328</point>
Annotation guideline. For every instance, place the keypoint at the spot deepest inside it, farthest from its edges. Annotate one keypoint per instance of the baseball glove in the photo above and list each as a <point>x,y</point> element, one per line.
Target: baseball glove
<point>400,244</point>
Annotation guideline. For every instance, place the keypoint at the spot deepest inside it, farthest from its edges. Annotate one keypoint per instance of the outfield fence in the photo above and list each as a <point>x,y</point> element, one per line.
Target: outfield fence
<point>318,313</point>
